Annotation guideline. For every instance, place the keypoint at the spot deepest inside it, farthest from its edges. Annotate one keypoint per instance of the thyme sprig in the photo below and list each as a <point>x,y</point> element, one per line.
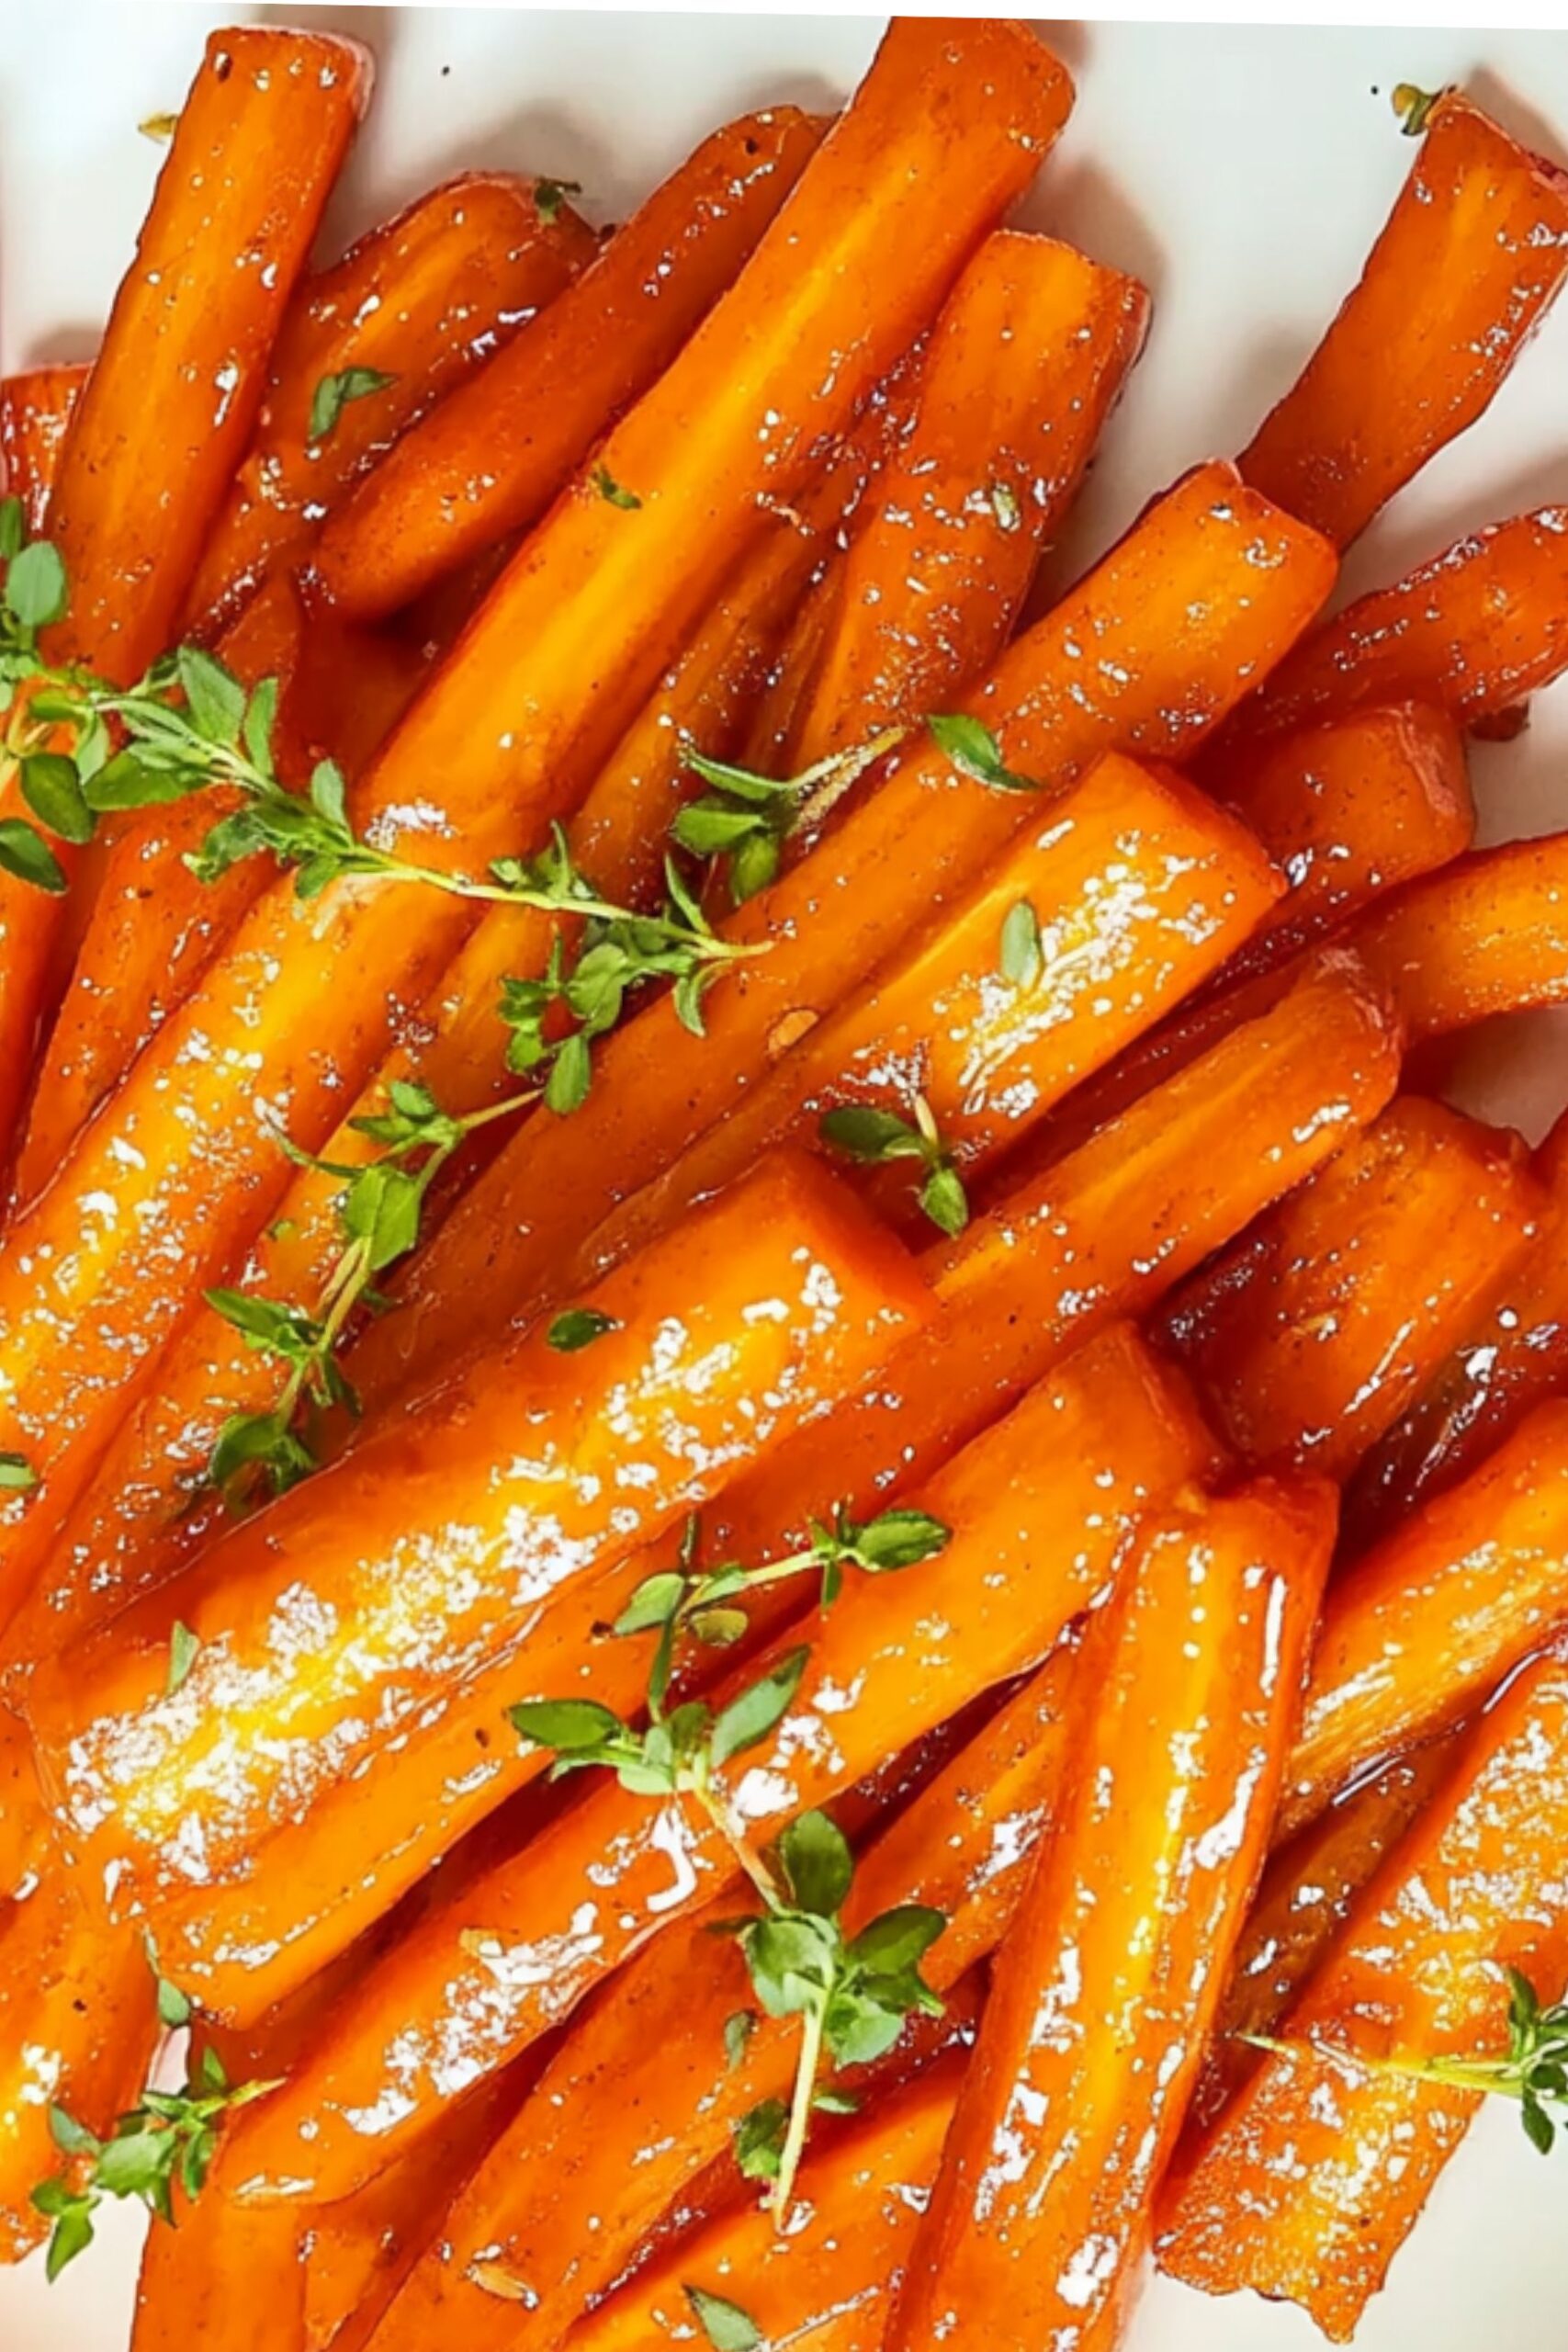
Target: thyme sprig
<point>1532,2069</point>
<point>853,1995</point>
<point>873,1138</point>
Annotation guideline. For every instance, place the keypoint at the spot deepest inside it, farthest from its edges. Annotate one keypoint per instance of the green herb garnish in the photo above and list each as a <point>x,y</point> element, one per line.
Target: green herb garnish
<point>873,1138</point>
<point>334,393</point>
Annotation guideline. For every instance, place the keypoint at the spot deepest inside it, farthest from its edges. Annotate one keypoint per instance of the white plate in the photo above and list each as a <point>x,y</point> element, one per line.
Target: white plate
<point>1243,174</point>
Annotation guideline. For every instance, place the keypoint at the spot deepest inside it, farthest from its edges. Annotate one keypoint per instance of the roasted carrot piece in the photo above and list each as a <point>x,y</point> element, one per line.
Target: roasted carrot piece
<point>1419,1631</point>
<point>1471,259</point>
<point>489,462</point>
<point>78,2023</point>
<point>563,2210</point>
<point>1136,887</point>
<point>167,408</point>
<point>226,2278</point>
<point>1041,1510</point>
<point>1488,934</point>
<point>25,1843</point>
<point>1209,549</point>
<point>1023,366</point>
<point>1304,1898</point>
<point>422,301</point>
<point>826,2281</point>
<point>1477,629</point>
<point>1507,1362</point>
<point>1312,1333</point>
<point>766,1308</point>
<point>35,409</point>
<point>1314,2177</point>
<point>1348,810</point>
<point>601,597</point>
<point>1104,1990</point>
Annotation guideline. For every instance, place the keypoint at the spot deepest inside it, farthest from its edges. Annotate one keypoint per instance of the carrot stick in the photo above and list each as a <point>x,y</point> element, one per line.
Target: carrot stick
<point>1419,1631</point>
<point>564,2211</point>
<point>1103,1234</point>
<point>1312,1333</point>
<point>1040,1511</point>
<point>491,459</point>
<point>1137,889</point>
<point>1348,810</point>
<point>228,2276</point>
<point>430,1551</point>
<point>601,597</point>
<point>1023,368</point>
<point>1471,260</point>
<point>422,302</point>
<point>1489,934</point>
<point>1312,2178</point>
<point>1478,629</point>
<point>1208,549</point>
<point>78,2023</point>
<point>1507,1362</point>
<point>25,1844</point>
<point>35,409</point>
<point>1103,1993</point>
<point>826,2281</point>
<point>1304,1898</point>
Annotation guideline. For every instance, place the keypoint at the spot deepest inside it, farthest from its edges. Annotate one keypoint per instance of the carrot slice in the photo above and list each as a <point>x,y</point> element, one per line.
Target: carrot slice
<point>602,597</point>
<point>1488,934</point>
<point>78,2023</point>
<point>422,302</point>
<point>563,2209</point>
<point>1209,549</point>
<point>1134,889</point>
<point>421,1559</point>
<point>1478,629</point>
<point>828,2280</point>
<point>227,2277</point>
<point>1507,1362</point>
<point>1312,2179</point>
<point>1304,1898</point>
<point>1312,1333</point>
<point>35,409</point>
<point>1415,1636</point>
<point>1041,1510</point>
<point>1471,260</point>
<point>1348,810</point>
<point>1103,1993</point>
<point>1102,1236</point>
<point>1023,366</point>
<point>491,459</point>
<point>166,411</point>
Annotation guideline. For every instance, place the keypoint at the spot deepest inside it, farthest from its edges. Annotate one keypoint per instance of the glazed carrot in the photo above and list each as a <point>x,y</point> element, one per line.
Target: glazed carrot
<point>1138,889</point>
<point>1103,1993</point>
<point>1419,1631</point>
<point>1023,368</point>
<point>1489,934</point>
<point>1312,2179</point>
<point>1103,1234</point>
<point>827,2282</point>
<point>78,2023</point>
<point>35,409</point>
<point>489,462</point>
<point>1040,1510</point>
<point>1507,1362</point>
<point>1477,629</point>
<point>564,2211</point>
<point>1209,548</point>
<point>1471,260</point>
<point>601,597</point>
<point>1312,1333</point>
<point>422,301</point>
<point>441,1541</point>
<point>226,2277</point>
<point>25,1846</point>
<point>1304,1895</point>
<point>1349,811</point>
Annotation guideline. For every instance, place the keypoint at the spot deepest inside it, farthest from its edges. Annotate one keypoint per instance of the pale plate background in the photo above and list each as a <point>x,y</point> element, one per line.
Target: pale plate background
<point>1243,174</point>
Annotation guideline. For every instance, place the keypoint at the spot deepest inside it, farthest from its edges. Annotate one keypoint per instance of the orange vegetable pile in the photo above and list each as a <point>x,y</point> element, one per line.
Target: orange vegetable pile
<point>776,1519</point>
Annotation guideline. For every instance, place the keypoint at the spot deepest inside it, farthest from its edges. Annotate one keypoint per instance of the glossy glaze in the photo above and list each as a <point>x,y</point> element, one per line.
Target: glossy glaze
<point>35,409</point>
<point>1489,934</point>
